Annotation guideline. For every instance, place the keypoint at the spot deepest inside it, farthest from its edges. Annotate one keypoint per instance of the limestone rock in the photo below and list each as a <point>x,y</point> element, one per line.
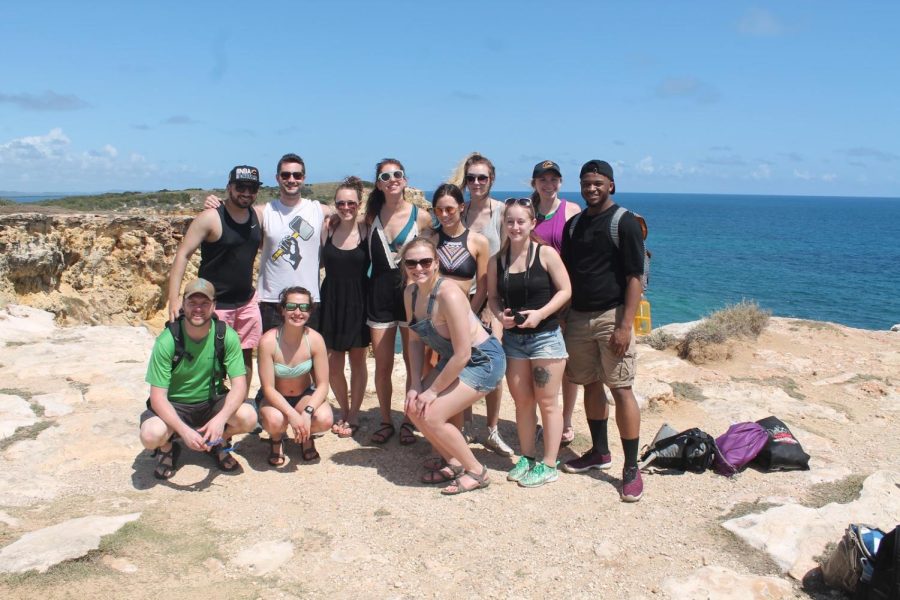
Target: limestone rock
<point>715,583</point>
<point>14,413</point>
<point>264,557</point>
<point>792,534</point>
<point>896,327</point>
<point>39,550</point>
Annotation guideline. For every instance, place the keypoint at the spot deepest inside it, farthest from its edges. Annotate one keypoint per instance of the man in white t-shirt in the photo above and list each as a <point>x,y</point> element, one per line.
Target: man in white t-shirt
<point>292,227</point>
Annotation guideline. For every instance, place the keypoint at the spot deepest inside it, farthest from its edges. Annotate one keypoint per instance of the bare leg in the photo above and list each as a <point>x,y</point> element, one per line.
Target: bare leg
<point>248,363</point>
<point>383,347</point>
<point>359,375</point>
<point>547,375</point>
<point>628,415</point>
<point>595,405</point>
<point>337,381</point>
<point>518,378</point>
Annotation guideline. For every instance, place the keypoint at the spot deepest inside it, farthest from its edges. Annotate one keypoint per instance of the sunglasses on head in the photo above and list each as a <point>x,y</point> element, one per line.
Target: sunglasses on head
<point>519,201</point>
<point>292,306</point>
<point>346,204</point>
<point>247,187</point>
<point>481,178</point>
<point>298,175</point>
<point>412,263</point>
<point>386,175</point>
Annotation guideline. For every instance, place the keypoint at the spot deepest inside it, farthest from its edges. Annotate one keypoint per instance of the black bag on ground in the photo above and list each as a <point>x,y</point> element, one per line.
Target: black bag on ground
<point>884,581</point>
<point>691,450</point>
<point>782,452</point>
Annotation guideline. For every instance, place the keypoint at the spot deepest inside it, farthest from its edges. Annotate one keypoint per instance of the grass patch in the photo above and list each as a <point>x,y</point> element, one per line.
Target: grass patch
<point>127,360</point>
<point>660,340</point>
<point>24,433</point>
<point>864,377</point>
<point>688,391</point>
<point>24,394</point>
<point>841,491</point>
<point>78,385</point>
<point>742,509</point>
<point>17,344</point>
<point>787,384</point>
<point>816,326</point>
<point>382,512</point>
<point>707,341</point>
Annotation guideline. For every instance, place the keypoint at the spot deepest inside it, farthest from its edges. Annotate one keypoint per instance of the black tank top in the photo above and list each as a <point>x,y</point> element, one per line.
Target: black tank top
<point>227,263</point>
<point>540,291</point>
<point>453,254</point>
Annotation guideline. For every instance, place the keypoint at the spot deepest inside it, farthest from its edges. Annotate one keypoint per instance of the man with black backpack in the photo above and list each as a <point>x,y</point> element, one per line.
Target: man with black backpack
<point>188,398</point>
<point>606,276</point>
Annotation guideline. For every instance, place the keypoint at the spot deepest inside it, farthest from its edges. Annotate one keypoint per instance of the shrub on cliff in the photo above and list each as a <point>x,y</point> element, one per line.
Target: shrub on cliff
<point>710,339</point>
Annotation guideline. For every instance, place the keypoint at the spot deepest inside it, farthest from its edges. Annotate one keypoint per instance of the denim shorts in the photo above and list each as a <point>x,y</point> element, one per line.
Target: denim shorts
<point>531,346</point>
<point>486,366</point>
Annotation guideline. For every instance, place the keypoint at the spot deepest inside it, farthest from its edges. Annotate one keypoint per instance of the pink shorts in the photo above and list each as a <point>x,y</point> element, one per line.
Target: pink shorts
<point>246,320</point>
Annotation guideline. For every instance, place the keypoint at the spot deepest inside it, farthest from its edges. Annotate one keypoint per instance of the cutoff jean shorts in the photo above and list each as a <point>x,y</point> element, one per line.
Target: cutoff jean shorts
<point>486,366</point>
<point>531,346</point>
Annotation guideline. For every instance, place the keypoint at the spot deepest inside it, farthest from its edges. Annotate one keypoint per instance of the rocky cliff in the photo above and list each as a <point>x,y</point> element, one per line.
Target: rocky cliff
<point>89,268</point>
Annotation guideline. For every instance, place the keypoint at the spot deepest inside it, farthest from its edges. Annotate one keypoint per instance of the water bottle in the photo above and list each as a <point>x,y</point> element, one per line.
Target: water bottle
<point>642,322</point>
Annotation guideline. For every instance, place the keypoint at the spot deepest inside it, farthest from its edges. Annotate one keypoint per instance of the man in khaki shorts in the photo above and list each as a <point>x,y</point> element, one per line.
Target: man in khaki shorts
<point>606,290</point>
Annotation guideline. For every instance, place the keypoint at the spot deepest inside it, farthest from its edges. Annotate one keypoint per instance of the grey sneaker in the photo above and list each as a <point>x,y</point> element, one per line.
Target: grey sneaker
<point>539,475</point>
<point>495,442</point>
<point>521,469</point>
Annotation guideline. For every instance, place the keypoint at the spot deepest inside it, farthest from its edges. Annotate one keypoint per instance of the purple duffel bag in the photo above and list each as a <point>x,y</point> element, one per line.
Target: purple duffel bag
<point>738,446</point>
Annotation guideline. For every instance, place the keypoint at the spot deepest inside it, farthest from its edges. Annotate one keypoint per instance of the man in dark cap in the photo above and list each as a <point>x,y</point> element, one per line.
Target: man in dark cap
<point>229,238</point>
<point>606,290</point>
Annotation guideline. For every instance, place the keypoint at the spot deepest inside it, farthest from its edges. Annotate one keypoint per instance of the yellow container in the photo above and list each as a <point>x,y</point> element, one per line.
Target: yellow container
<point>642,322</point>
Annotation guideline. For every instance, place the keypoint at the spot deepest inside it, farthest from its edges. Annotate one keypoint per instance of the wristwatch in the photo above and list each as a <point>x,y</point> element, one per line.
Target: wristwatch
<point>309,410</point>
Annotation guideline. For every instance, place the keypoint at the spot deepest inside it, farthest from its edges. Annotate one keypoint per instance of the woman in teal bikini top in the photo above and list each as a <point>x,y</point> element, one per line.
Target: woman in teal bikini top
<point>293,394</point>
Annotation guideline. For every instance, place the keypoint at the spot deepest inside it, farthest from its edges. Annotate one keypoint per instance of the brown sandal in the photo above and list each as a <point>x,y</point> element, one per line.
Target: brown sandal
<point>407,433</point>
<point>384,433</point>
<point>276,452</point>
<point>163,470</point>
<point>309,452</point>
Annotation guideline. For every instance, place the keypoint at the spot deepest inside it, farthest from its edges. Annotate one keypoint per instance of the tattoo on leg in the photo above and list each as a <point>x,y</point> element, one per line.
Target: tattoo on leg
<point>541,376</point>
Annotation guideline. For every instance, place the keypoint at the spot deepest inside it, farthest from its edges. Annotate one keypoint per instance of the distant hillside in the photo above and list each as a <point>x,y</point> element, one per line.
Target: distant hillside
<point>175,200</point>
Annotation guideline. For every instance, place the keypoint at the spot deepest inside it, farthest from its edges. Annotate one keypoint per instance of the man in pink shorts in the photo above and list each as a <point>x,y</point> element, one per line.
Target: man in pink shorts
<point>229,238</point>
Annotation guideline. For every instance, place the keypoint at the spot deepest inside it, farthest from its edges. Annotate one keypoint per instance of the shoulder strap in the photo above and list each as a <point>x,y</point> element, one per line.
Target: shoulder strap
<point>220,342</point>
<point>614,225</point>
<point>401,235</point>
<point>174,328</point>
<point>432,296</point>
<point>573,223</point>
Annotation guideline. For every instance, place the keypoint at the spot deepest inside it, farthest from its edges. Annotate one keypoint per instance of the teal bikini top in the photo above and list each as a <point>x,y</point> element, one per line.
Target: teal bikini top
<point>288,372</point>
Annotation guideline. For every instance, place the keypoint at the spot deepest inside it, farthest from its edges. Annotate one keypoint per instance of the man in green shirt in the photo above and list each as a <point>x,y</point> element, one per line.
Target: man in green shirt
<point>190,398</point>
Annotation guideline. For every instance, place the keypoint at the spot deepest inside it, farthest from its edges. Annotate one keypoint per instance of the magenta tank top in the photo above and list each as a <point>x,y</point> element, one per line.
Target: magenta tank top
<point>551,230</point>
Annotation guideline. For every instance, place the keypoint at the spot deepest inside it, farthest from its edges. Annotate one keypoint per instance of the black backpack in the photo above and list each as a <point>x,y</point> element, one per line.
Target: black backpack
<point>884,581</point>
<point>174,328</point>
<point>691,450</point>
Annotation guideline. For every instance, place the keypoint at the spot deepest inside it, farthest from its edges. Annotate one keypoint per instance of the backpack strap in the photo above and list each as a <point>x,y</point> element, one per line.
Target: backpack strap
<point>174,328</point>
<point>219,346</point>
<point>574,221</point>
<point>614,225</point>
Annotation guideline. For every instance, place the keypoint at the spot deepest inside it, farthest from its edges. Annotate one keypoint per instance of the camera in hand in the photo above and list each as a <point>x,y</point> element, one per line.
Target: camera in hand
<point>518,317</point>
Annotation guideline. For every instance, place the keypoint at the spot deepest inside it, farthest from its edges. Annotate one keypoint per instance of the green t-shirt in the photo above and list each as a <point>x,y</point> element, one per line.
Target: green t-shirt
<point>189,383</point>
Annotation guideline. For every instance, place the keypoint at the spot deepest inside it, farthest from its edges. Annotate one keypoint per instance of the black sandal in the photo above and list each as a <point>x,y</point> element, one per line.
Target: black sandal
<point>276,459</point>
<point>162,470</point>
<point>384,433</point>
<point>222,454</point>
<point>407,433</point>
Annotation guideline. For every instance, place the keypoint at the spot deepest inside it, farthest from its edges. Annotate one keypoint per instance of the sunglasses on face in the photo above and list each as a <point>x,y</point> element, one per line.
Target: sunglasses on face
<point>298,175</point>
<point>479,178</point>
<point>246,187</point>
<point>346,204</point>
<point>386,175</point>
<point>519,201</point>
<point>411,263</point>
<point>292,306</point>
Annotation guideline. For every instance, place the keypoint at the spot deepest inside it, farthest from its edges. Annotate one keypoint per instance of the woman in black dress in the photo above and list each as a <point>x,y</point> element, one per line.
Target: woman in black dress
<point>342,310</point>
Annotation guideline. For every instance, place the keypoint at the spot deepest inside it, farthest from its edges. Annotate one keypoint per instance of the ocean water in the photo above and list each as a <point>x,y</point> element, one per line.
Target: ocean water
<point>822,258</point>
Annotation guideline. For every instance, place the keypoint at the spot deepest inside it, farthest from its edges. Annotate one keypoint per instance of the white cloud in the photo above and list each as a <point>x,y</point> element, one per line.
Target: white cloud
<point>829,177</point>
<point>760,22</point>
<point>804,175</point>
<point>645,165</point>
<point>763,171</point>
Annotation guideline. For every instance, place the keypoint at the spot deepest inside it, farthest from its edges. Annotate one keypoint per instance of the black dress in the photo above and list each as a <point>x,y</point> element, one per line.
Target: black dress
<point>342,308</point>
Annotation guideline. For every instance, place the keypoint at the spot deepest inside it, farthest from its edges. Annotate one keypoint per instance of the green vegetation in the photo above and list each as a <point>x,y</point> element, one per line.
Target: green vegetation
<point>660,340</point>
<point>742,509</point>
<point>688,391</point>
<point>842,491</point>
<point>5,202</point>
<point>785,383</point>
<point>707,341</point>
<point>190,200</point>
<point>24,433</point>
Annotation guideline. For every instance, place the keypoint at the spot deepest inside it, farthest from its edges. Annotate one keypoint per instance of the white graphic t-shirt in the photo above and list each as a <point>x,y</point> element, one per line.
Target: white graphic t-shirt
<point>290,253</point>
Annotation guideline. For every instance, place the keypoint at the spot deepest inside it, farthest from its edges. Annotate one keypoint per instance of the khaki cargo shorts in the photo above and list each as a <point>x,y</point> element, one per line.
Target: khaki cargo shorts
<point>590,357</point>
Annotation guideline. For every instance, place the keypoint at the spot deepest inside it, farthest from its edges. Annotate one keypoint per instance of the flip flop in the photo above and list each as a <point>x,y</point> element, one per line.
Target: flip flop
<point>338,427</point>
<point>349,430</point>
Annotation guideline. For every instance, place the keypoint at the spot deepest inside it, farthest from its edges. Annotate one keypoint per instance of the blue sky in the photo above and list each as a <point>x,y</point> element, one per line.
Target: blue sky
<point>790,97</point>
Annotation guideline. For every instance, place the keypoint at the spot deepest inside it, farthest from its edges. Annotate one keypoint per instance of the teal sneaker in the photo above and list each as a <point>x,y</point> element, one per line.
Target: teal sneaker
<point>539,475</point>
<point>521,469</point>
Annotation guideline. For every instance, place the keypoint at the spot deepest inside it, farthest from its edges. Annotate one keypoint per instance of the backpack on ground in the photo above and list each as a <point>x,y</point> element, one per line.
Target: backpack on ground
<point>845,566</point>
<point>882,580</point>
<point>783,452</point>
<point>614,234</point>
<point>175,329</point>
<point>691,450</point>
<point>738,446</point>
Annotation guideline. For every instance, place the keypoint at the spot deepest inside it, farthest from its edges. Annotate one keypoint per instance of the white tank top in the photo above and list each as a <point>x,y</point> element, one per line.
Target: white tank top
<point>290,253</point>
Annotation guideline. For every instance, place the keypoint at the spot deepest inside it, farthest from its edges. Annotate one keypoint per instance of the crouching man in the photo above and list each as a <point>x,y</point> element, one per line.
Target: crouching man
<point>187,393</point>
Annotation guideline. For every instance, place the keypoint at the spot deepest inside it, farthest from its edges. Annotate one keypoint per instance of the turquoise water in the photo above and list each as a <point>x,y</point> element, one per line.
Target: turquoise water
<point>822,258</point>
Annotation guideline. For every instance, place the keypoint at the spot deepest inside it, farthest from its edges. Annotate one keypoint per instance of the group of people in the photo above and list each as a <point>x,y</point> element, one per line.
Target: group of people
<point>531,288</point>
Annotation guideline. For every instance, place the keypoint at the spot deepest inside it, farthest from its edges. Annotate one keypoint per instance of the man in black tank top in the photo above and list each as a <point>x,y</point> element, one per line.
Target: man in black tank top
<point>229,238</point>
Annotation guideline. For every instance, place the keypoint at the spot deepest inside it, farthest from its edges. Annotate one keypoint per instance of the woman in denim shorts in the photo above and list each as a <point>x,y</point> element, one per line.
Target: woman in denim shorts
<point>527,287</point>
<point>471,364</point>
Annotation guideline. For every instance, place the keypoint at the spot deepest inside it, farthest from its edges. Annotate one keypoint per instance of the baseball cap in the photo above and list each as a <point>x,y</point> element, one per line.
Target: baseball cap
<point>200,286</point>
<point>543,167</point>
<point>244,174</point>
<point>601,167</point>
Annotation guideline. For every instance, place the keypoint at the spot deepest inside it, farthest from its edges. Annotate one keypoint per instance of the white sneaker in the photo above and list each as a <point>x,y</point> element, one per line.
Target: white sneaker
<point>495,442</point>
